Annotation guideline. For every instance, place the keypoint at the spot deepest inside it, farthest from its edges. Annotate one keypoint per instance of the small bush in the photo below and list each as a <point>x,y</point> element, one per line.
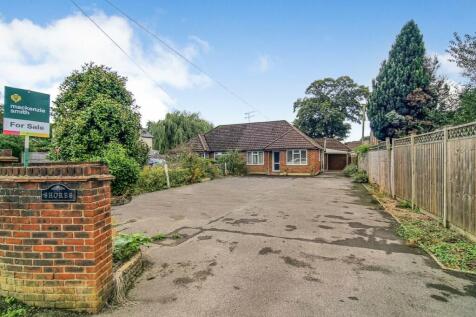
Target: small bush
<point>199,167</point>
<point>152,178</point>
<point>361,149</point>
<point>350,170</point>
<point>124,168</point>
<point>127,245</point>
<point>235,163</point>
<point>360,177</point>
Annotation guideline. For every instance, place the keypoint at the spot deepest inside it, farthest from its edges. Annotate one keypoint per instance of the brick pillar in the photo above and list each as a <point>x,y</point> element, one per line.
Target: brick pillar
<point>56,254</point>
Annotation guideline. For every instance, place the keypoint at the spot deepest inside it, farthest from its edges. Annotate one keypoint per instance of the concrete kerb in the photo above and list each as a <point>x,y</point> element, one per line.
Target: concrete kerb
<point>441,265</point>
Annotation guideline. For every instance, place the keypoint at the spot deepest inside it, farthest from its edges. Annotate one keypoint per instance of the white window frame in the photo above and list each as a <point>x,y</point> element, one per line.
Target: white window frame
<point>259,155</point>
<point>217,155</point>
<point>290,157</point>
<point>205,155</point>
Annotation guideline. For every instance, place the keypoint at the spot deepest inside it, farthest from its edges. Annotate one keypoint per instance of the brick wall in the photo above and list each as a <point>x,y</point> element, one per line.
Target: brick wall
<point>56,254</point>
<point>313,166</point>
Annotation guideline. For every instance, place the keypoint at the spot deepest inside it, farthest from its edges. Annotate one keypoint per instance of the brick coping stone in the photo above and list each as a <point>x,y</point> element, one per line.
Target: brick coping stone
<point>56,254</point>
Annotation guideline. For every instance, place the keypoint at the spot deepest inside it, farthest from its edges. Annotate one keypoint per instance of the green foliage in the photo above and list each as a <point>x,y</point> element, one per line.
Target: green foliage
<point>152,178</point>
<point>328,103</point>
<point>235,163</point>
<point>158,237</point>
<point>177,128</point>
<point>361,149</point>
<point>406,204</point>
<point>360,177</point>
<point>10,307</point>
<point>93,109</point>
<point>125,246</point>
<point>401,98</point>
<point>466,111</point>
<point>199,167</point>
<point>15,143</point>
<point>350,170</point>
<point>449,247</point>
<point>463,52</point>
<point>124,168</point>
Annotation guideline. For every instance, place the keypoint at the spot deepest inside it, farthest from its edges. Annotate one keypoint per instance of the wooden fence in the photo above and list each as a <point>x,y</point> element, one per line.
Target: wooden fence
<point>436,171</point>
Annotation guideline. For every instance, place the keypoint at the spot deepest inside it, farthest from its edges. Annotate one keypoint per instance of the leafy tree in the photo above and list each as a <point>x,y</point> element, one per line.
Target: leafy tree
<point>463,52</point>
<point>92,110</point>
<point>466,111</point>
<point>177,127</point>
<point>401,99</point>
<point>328,104</point>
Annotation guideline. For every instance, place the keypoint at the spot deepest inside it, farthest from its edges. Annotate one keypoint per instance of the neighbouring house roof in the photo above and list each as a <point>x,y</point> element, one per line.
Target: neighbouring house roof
<point>252,136</point>
<point>353,144</point>
<point>332,144</point>
<point>145,134</point>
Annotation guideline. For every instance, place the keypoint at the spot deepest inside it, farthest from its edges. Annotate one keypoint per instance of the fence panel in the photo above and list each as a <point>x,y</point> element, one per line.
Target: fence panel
<point>461,177</point>
<point>403,168</point>
<point>429,172</point>
<point>452,150</point>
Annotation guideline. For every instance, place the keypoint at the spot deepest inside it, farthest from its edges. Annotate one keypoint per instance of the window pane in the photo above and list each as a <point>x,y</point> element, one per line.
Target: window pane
<point>260,160</point>
<point>303,157</point>
<point>249,157</point>
<point>289,156</point>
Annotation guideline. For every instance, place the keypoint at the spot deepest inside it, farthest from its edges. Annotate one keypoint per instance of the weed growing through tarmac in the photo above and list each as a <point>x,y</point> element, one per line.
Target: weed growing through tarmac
<point>158,237</point>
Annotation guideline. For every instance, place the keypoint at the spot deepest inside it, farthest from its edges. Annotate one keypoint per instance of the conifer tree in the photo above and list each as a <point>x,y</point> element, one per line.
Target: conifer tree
<point>401,99</point>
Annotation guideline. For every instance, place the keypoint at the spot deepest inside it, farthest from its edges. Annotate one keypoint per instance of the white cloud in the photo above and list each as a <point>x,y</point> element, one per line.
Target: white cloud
<point>40,57</point>
<point>263,64</point>
<point>204,45</point>
<point>448,67</point>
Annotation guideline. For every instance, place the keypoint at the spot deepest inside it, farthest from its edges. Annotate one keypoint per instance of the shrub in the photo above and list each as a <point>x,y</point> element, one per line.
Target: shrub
<point>199,167</point>
<point>152,178</point>
<point>124,168</point>
<point>350,170</point>
<point>360,177</point>
<point>127,245</point>
<point>235,163</point>
<point>361,149</point>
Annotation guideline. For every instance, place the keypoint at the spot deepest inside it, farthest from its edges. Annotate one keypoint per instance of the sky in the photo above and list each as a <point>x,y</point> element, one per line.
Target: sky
<point>265,52</point>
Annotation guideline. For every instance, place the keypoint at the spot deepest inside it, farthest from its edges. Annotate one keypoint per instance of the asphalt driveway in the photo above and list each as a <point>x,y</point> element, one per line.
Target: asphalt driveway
<point>282,246</point>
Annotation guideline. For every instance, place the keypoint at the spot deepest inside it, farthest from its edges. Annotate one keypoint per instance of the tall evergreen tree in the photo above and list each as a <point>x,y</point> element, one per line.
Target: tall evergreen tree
<point>401,100</point>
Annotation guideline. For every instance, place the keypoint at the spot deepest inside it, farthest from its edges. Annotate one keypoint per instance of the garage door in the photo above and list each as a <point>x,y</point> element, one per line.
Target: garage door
<point>336,162</point>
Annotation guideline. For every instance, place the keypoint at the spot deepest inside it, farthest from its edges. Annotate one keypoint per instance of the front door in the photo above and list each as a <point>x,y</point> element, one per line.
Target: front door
<point>276,165</point>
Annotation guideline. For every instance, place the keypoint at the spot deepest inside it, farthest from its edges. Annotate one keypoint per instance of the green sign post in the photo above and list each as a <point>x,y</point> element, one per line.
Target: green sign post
<point>26,113</point>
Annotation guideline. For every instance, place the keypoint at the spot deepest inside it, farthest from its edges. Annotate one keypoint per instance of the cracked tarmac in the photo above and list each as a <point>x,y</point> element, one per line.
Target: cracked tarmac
<point>282,246</point>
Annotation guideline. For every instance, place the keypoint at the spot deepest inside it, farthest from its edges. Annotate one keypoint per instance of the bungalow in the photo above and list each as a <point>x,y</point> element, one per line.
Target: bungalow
<point>269,148</point>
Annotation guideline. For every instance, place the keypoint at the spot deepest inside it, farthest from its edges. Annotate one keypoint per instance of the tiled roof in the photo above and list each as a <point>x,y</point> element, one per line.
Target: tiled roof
<point>332,144</point>
<point>353,144</point>
<point>252,136</point>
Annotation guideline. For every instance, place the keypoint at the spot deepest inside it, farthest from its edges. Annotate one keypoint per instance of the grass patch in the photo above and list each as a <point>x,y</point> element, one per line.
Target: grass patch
<point>449,247</point>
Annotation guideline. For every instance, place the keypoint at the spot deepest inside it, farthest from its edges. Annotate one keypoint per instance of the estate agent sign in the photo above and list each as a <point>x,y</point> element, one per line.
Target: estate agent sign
<point>26,113</point>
